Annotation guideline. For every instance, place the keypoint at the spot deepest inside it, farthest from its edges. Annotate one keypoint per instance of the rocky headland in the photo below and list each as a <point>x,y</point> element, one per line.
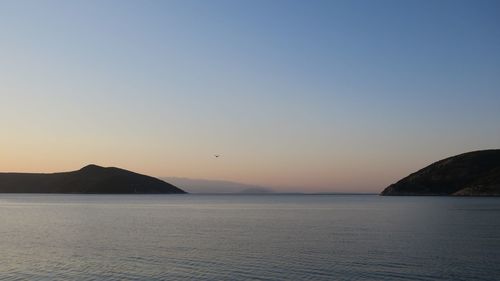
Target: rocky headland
<point>474,173</point>
<point>91,179</point>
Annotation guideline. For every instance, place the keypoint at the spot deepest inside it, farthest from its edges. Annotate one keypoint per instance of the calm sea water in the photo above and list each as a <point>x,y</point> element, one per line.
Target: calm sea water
<point>246,237</point>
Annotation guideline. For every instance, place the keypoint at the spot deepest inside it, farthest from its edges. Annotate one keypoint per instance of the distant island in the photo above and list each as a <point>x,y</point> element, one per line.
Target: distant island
<point>474,173</point>
<point>91,179</point>
<point>206,186</point>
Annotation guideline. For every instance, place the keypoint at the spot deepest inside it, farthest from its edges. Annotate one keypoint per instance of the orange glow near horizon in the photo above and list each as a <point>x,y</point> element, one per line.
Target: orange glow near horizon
<point>314,101</point>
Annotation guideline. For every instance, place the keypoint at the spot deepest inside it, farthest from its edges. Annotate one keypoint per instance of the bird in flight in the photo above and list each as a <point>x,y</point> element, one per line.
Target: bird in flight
<point>217,155</point>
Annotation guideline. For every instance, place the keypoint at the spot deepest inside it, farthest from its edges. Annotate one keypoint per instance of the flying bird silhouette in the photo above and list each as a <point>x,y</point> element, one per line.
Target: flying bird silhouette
<point>216,155</point>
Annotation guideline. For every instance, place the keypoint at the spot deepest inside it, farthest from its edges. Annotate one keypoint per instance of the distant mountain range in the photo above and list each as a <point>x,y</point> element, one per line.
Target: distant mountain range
<point>89,179</point>
<point>474,173</point>
<point>216,186</point>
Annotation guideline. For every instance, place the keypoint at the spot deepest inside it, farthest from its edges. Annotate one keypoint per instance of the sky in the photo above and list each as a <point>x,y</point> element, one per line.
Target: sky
<point>310,96</point>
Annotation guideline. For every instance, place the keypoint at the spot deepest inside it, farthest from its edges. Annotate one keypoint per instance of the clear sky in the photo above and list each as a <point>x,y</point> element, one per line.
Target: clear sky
<point>296,95</point>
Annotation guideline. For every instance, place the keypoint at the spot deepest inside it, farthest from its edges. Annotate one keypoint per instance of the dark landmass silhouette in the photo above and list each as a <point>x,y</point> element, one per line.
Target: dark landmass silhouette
<point>474,173</point>
<point>216,186</point>
<point>91,179</point>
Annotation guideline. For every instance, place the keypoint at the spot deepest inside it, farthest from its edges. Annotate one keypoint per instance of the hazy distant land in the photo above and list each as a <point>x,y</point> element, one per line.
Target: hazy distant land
<point>470,174</point>
<point>216,186</point>
<point>474,173</point>
<point>90,179</point>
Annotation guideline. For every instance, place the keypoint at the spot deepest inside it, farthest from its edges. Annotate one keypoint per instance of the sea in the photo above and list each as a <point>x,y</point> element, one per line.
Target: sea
<point>248,237</point>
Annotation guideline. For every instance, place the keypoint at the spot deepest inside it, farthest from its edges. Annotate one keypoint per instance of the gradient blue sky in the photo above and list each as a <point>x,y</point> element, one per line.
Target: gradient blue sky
<point>296,95</point>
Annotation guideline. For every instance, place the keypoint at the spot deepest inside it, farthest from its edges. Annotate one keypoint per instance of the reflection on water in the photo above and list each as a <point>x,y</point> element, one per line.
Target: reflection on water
<point>241,237</point>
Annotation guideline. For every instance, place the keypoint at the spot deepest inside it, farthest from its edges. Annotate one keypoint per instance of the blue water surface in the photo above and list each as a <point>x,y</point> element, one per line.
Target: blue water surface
<point>248,237</point>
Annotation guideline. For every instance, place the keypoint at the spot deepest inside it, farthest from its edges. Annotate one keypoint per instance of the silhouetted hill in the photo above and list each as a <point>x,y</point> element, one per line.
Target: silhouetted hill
<point>89,179</point>
<point>474,173</point>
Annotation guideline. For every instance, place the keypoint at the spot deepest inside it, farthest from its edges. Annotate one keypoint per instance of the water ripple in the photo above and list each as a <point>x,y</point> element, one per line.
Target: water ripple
<point>247,238</point>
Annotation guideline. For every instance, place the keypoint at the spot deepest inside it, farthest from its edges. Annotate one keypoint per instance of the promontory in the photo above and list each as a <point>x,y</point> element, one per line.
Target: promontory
<point>474,173</point>
<point>91,179</point>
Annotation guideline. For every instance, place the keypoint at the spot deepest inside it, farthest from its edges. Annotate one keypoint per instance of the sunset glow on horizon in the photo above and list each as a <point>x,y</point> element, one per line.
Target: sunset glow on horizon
<point>316,96</point>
